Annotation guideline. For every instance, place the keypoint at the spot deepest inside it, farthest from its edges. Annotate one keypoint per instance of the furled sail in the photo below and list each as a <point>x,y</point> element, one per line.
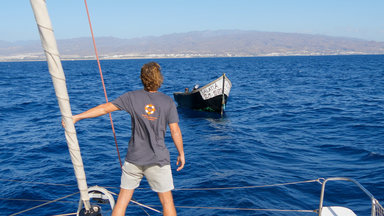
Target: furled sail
<point>57,74</point>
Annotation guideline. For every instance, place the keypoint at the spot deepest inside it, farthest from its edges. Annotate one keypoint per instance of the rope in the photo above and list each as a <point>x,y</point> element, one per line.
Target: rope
<point>102,81</point>
<point>183,189</point>
<point>43,183</point>
<point>49,202</point>
<point>319,180</point>
<point>140,204</point>
<point>34,200</point>
<point>249,187</point>
<point>75,213</point>
<point>245,209</point>
<point>145,206</point>
<point>58,201</point>
<point>189,207</point>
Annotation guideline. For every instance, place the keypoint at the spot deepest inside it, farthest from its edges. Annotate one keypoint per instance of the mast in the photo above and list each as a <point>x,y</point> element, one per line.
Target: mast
<point>223,97</point>
<point>49,45</point>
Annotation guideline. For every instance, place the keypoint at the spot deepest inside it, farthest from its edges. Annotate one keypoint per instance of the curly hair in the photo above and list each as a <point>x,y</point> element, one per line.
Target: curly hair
<point>151,76</point>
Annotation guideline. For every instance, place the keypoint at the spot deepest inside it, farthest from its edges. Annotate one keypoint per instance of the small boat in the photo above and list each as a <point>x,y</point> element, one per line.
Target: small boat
<point>211,97</point>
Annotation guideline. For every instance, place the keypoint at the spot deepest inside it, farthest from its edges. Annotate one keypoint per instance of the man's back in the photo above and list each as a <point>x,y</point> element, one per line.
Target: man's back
<point>150,112</point>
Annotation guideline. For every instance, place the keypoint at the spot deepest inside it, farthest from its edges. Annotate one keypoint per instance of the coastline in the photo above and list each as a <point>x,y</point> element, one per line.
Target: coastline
<point>178,56</point>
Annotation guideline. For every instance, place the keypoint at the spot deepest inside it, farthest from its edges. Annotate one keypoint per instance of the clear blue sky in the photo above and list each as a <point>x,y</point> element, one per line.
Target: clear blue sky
<point>362,19</point>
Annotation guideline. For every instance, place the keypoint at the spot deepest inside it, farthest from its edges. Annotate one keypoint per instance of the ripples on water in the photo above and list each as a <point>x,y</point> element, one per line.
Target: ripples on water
<point>288,119</point>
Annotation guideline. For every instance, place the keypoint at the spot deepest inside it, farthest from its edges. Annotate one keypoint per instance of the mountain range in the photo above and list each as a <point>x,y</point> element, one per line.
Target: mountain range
<point>222,43</point>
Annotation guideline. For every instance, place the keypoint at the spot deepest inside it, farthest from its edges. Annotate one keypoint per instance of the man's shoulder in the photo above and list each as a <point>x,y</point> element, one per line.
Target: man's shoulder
<point>142,92</point>
<point>164,95</point>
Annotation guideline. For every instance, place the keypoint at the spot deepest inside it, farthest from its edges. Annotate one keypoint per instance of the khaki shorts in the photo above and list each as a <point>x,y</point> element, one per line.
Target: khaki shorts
<point>159,178</point>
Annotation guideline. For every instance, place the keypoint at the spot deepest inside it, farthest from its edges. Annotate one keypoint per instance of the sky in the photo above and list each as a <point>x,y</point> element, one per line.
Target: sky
<point>362,19</point>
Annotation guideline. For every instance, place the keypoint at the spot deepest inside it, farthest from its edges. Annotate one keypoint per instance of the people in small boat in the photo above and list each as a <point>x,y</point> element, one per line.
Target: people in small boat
<point>186,90</point>
<point>147,155</point>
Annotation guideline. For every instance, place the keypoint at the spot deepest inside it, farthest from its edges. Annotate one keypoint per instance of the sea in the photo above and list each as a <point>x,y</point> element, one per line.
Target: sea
<point>289,124</point>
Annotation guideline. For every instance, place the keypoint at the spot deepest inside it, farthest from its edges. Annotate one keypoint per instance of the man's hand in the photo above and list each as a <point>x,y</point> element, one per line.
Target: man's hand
<point>178,141</point>
<point>180,162</point>
<point>63,123</point>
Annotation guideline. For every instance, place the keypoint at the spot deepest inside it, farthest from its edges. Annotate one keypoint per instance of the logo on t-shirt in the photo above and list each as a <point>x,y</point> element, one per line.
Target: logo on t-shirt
<point>150,109</point>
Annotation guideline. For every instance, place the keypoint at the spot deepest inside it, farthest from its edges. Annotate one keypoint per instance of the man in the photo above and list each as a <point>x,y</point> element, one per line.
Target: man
<point>147,155</point>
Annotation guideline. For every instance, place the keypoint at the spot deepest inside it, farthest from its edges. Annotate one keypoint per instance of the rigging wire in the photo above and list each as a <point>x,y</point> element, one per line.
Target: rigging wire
<point>180,207</point>
<point>49,202</point>
<point>249,187</point>
<point>319,180</point>
<point>75,213</point>
<point>102,80</point>
<point>43,183</point>
<point>244,209</point>
<point>142,206</point>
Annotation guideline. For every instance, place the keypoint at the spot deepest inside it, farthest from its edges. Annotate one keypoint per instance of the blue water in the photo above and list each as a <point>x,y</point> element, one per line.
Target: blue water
<point>287,119</point>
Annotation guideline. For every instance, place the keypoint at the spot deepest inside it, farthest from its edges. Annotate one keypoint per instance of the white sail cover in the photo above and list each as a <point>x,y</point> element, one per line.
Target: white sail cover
<point>56,70</point>
<point>215,88</point>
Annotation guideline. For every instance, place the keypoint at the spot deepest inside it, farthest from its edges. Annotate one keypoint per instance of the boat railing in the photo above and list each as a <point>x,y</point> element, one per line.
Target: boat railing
<point>376,210</point>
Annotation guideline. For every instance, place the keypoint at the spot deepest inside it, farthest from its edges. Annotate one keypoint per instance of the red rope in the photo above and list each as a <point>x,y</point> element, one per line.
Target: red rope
<point>102,81</point>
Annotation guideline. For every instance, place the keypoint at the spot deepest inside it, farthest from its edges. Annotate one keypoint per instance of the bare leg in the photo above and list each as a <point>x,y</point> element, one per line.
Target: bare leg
<point>166,200</point>
<point>125,196</point>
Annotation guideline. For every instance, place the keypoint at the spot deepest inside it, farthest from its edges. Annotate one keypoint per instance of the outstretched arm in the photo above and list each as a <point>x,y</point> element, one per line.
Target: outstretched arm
<point>100,110</point>
<point>178,140</point>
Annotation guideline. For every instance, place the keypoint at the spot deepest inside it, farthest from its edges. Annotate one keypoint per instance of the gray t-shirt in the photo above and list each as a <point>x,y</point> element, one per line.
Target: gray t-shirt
<point>150,115</point>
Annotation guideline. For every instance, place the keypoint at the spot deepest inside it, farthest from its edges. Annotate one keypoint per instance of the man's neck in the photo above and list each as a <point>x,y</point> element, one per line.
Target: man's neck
<point>150,91</point>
